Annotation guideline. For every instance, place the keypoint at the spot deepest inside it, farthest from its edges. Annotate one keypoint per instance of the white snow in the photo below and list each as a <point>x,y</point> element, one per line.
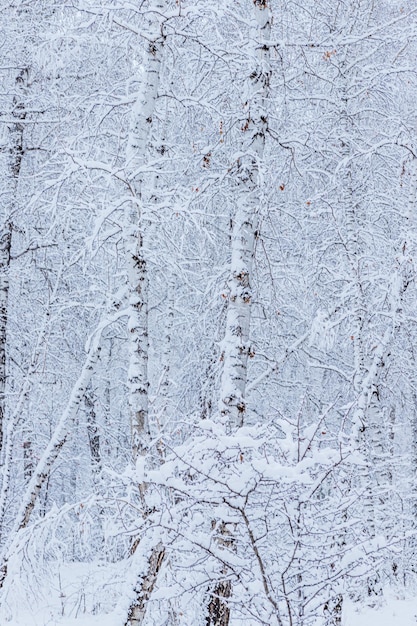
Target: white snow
<point>394,612</point>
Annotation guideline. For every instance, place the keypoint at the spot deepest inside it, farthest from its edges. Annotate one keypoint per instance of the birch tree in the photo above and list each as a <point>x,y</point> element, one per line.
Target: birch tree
<point>241,190</point>
<point>236,346</point>
<point>136,158</point>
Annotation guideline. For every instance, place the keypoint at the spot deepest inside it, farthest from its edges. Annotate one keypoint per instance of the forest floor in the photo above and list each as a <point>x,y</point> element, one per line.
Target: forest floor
<point>95,595</point>
<point>393,612</point>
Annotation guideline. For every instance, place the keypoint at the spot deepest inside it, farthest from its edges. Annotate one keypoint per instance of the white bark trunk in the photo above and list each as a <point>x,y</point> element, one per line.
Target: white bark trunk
<point>93,437</point>
<point>139,134</point>
<point>145,587</point>
<point>5,245</point>
<point>236,347</point>
<point>236,344</point>
<point>16,150</point>
<point>369,431</point>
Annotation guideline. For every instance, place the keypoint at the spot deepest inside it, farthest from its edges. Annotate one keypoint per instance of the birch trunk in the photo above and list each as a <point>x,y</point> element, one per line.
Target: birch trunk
<point>236,343</point>
<point>162,405</point>
<point>412,543</point>
<point>137,152</point>
<point>5,246</point>
<point>93,436</point>
<point>369,430</point>
<point>15,156</point>
<point>406,562</point>
<point>218,609</point>
<point>139,135</point>
<point>236,346</point>
<point>351,210</point>
<point>145,587</point>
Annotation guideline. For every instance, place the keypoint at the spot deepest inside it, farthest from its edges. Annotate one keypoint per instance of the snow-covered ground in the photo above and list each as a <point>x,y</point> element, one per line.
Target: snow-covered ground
<point>97,594</point>
<point>394,612</point>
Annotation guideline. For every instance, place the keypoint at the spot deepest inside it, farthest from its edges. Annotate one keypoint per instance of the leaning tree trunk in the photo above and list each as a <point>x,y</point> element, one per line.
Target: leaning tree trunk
<point>45,464</point>
<point>145,587</point>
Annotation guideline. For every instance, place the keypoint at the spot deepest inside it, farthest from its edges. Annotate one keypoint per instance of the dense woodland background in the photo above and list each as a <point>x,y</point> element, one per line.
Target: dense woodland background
<point>208,327</point>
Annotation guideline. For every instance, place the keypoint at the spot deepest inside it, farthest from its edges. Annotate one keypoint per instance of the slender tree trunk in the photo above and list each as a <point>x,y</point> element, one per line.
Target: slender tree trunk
<point>137,150</point>
<point>408,560</point>
<point>236,347</point>
<point>13,421</point>
<point>15,156</point>
<point>42,471</point>
<point>28,436</point>
<point>5,246</point>
<point>139,135</point>
<point>369,431</point>
<point>93,435</point>
<point>162,404</point>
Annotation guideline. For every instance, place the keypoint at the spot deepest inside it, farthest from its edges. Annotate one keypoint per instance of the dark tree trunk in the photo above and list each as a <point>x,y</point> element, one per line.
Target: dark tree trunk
<point>218,608</point>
